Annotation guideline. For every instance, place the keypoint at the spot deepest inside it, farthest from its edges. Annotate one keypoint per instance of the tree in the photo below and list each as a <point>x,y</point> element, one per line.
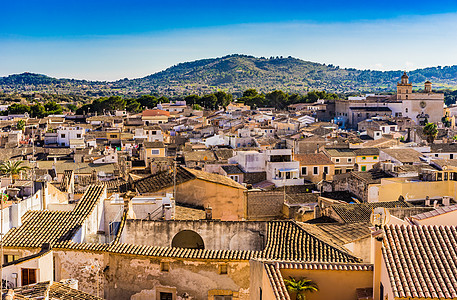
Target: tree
<point>37,111</point>
<point>223,99</point>
<point>52,108</point>
<point>133,106</point>
<point>300,287</point>
<point>72,107</point>
<point>208,101</point>
<point>13,168</point>
<point>192,99</point>
<point>148,101</point>
<point>20,124</point>
<point>16,108</point>
<point>430,131</point>
<point>277,99</point>
<point>196,107</point>
<point>252,98</point>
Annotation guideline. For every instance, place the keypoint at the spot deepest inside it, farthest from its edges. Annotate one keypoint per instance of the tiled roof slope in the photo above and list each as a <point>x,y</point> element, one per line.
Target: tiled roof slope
<point>45,226</point>
<point>435,212</point>
<point>56,290</point>
<point>421,260</point>
<point>165,179</point>
<point>285,241</point>
<point>276,282</point>
<point>288,241</point>
<point>361,212</point>
<point>346,233</point>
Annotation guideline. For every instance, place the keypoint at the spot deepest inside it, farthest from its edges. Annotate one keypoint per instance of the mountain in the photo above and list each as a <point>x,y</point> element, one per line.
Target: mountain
<point>236,73</point>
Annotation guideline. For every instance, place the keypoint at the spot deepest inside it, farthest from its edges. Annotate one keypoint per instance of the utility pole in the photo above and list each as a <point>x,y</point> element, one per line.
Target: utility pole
<point>174,178</point>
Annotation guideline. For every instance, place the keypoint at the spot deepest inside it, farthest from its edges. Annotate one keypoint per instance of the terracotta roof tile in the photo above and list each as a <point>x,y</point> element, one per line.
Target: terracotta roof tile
<point>421,260</point>
<point>56,290</point>
<point>361,212</point>
<point>285,241</point>
<point>39,227</point>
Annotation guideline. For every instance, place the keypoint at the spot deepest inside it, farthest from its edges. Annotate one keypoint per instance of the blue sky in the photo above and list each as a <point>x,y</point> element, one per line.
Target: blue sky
<point>108,40</point>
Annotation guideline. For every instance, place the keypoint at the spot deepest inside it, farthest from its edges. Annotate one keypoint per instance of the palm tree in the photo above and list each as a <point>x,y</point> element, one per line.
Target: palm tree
<point>430,131</point>
<point>13,168</point>
<point>300,287</point>
<point>20,124</point>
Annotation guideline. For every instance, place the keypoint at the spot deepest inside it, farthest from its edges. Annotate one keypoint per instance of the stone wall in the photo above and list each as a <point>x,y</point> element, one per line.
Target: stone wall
<point>261,205</point>
<point>216,235</point>
<point>139,277</point>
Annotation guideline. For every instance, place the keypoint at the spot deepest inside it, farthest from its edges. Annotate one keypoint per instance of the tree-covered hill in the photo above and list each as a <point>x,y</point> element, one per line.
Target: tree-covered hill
<point>235,74</point>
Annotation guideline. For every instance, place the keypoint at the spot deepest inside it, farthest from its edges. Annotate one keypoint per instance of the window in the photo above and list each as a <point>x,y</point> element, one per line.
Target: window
<point>304,170</point>
<point>406,110</point>
<point>153,132</point>
<point>78,136</point>
<point>451,156</point>
<point>112,136</point>
<point>325,170</point>
<point>164,266</point>
<point>9,258</point>
<point>234,177</point>
<point>436,155</point>
<point>217,297</point>
<point>364,168</point>
<point>315,170</point>
<point>338,171</point>
<point>349,160</point>
<point>28,276</point>
<point>62,135</point>
<point>337,160</point>
<point>363,157</point>
<point>223,269</point>
<point>155,151</point>
<point>375,157</point>
<point>166,296</point>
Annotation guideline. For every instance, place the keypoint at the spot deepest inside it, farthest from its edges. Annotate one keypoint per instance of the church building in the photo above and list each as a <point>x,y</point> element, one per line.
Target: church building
<point>420,107</point>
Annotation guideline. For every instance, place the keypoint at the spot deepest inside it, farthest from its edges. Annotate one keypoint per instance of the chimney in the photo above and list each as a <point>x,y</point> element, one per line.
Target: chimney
<point>208,213</point>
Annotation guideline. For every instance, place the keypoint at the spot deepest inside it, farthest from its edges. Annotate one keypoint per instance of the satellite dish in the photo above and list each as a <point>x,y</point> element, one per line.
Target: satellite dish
<point>46,177</point>
<point>380,216</point>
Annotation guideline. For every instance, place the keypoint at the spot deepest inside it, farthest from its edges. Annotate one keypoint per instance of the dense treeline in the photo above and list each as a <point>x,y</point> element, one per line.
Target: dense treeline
<point>280,100</point>
<point>37,110</point>
<point>219,100</point>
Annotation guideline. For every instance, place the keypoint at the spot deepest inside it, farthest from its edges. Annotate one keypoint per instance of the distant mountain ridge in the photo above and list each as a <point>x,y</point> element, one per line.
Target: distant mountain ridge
<point>236,73</point>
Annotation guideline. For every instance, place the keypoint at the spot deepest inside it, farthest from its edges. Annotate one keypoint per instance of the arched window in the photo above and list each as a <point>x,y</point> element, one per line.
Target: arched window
<point>406,110</point>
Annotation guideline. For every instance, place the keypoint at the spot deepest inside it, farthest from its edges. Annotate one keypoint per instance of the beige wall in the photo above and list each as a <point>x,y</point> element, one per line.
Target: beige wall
<point>43,265</point>
<point>333,284</point>
<point>391,189</point>
<point>316,178</point>
<point>228,203</point>
<point>369,161</point>
<point>361,248</point>
<point>449,218</point>
<point>259,282</point>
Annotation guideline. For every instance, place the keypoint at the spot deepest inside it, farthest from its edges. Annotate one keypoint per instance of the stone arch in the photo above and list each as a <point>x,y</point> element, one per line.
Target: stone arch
<point>188,239</point>
<point>246,240</point>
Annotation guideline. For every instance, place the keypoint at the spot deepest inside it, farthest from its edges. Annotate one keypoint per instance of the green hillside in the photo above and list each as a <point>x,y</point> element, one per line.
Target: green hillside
<point>236,73</point>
